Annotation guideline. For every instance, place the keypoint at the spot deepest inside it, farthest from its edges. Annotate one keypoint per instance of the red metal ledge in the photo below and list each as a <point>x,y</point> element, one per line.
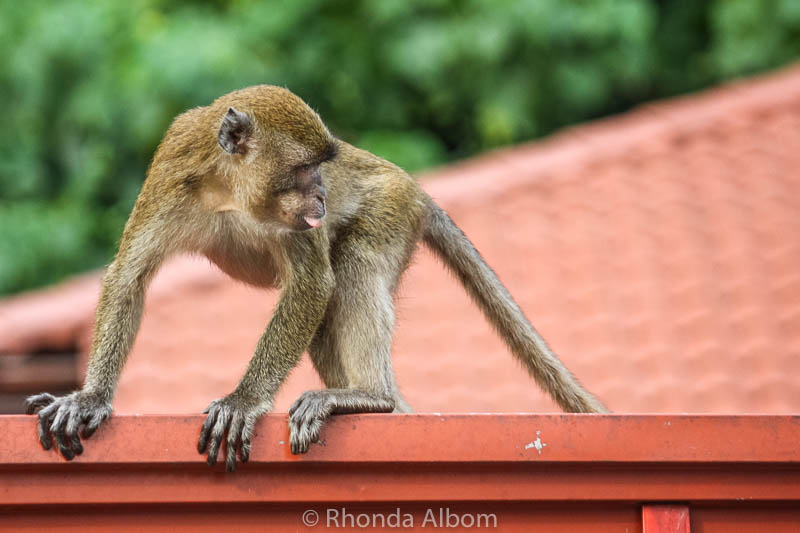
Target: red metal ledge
<point>584,472</point>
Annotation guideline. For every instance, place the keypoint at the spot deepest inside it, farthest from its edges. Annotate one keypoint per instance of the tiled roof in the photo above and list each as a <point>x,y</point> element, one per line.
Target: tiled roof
<point>658,252</point>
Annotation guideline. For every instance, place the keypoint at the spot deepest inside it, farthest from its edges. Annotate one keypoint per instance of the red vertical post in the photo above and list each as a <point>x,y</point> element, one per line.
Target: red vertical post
<point>665,518</point>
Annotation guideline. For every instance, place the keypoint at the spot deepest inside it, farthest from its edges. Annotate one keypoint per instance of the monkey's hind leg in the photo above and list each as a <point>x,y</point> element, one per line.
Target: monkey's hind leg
<point>351,352</point>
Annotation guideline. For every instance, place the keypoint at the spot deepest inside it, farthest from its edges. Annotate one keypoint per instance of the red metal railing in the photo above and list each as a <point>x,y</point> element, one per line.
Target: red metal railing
<point>507,472</point>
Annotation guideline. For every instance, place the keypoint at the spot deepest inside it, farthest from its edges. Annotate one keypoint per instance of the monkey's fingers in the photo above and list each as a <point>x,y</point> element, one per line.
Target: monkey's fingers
<point>295,429</point>
<point>43,429</point>
<point>46,417</point>
<point>305,423</point>
<point>295,425</point>
<point>57,428</point>
<point>247,436</point>
<point>304,434</point>
<point>217,433</point>
<point>71,432</point>
<point>234,432</point>
<point>205,431</point>
<point>38,401</point>
<point>307,434</point>
<point>94,422</point>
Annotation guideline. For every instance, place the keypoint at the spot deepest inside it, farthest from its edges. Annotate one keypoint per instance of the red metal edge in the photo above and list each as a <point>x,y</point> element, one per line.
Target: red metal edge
<point>446,438</point>
<point>665,519</point>
<point>412,458</point>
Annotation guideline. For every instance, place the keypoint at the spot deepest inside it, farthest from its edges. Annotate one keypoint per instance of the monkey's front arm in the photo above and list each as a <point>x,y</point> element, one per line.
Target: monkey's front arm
<point>79,414</point>
<point>298,314</point>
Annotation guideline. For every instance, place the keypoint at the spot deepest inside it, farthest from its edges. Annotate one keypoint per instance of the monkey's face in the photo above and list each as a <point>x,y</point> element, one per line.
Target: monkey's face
<point>295,194</point>
<point>278,165</point>
<point>302,206</point>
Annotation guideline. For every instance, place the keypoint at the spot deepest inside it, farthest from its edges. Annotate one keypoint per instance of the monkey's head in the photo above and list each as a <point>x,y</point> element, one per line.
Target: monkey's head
<point>274,144</point>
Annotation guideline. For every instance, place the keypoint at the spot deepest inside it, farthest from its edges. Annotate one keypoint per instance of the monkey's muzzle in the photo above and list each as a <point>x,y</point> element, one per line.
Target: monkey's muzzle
<point>315,212</point>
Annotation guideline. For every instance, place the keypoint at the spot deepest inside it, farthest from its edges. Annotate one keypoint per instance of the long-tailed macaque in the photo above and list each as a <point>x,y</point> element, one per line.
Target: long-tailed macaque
<point>256,183</point>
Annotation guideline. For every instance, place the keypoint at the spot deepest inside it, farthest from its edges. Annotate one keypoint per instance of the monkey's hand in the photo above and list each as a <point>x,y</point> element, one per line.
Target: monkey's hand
<point>235,417</point>
<point>306,417</point>
<point>64,416</point>
<point>314,407</point>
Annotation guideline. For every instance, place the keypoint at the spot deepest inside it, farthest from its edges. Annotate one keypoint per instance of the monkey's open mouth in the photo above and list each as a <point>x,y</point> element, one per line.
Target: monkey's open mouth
<point>313,222</point>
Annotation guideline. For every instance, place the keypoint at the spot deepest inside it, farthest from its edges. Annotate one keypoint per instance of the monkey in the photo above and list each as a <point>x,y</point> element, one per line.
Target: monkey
<point>256,183</point>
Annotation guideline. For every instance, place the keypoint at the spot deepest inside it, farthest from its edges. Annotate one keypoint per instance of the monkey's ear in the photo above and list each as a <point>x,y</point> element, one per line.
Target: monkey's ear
<point>236,128</point>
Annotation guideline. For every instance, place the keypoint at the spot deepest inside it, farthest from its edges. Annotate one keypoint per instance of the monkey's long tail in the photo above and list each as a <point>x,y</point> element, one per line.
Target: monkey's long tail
<point>454,248</point>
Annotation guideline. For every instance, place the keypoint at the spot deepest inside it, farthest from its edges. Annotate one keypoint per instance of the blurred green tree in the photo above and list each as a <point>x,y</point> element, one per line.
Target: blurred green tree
<point>88,88</point>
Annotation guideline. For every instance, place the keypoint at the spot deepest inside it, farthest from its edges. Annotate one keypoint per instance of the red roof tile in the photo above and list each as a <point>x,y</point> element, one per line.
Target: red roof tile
<point>657,252</point>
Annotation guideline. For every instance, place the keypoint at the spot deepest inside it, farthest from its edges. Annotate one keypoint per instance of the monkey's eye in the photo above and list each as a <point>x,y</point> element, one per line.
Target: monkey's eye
<point>306,170</point>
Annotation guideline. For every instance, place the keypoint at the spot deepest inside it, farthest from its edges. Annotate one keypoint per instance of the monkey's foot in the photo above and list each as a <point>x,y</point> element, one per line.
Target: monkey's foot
<point>234,417</point>
<point>306,416</point>
<point>65,416</point>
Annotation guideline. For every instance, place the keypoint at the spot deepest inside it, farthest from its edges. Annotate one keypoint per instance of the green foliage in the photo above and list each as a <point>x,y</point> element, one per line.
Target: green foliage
<point>88,88</point>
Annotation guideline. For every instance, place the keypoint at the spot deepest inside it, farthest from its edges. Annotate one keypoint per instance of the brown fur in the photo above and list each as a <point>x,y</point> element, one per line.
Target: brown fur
<point>243,181</point>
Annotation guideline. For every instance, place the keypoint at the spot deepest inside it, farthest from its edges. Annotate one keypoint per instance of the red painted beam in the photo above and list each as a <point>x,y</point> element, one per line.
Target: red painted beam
<point>485,438</point>
<point>561,472</point>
